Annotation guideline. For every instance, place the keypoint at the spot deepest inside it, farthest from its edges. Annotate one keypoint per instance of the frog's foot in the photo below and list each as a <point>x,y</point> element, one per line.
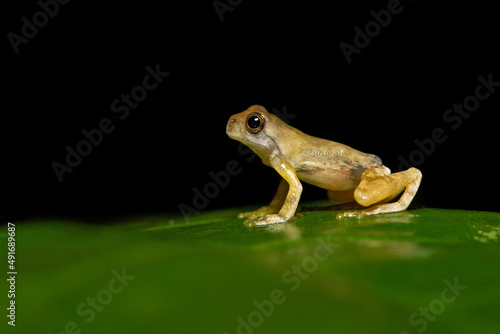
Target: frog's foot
<point>265,220</point>
<point>351,214</point>
<point>265,210</point>
<point>374,210</point>
<point>378,187</point>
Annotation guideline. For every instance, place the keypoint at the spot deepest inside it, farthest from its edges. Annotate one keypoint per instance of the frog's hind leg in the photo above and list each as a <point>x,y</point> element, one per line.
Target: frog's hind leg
<point>378,186</point>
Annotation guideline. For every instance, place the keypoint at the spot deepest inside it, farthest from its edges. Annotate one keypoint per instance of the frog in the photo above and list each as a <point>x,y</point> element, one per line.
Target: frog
<point>356,182</point>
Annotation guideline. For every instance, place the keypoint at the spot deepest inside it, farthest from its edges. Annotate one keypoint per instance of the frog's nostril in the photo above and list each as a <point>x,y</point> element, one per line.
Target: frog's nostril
<point>230,124</point>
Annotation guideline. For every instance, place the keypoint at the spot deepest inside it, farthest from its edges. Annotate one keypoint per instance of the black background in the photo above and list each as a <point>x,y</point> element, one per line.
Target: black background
<point>280,54</point>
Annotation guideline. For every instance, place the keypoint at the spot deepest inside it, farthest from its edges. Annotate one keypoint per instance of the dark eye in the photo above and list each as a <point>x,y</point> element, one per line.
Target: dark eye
<point>255,123</point>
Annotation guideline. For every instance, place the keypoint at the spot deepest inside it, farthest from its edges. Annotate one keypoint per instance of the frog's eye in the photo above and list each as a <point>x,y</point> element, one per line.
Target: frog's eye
<point>255,122</point>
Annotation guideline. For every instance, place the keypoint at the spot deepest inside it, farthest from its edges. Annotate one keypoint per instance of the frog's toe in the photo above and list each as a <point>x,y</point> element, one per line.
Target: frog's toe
<point>265,220</point>
<point>249,222</point>
<point>250,214</point>
<point>351,214</point>
<point>258,213</point>
<point>243,214</point>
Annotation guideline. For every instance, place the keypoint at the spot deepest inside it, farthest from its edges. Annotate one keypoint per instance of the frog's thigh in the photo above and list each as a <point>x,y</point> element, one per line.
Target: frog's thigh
<point>378,186</point>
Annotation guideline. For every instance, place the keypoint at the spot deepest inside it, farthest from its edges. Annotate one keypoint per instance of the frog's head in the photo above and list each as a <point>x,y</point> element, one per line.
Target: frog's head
<point>257,129</point>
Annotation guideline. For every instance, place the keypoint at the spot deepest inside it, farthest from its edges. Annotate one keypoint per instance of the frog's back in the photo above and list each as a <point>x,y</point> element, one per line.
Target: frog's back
<point>333,166</point>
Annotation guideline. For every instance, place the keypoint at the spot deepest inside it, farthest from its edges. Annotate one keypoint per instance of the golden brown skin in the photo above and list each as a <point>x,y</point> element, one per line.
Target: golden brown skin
<point>349,176</point>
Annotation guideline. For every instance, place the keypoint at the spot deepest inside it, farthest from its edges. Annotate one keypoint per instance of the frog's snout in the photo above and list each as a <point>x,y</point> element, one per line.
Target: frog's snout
<point>230,126</point>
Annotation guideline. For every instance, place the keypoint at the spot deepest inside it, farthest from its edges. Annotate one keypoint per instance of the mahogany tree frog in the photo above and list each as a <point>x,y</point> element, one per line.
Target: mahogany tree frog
<point>353,179</point>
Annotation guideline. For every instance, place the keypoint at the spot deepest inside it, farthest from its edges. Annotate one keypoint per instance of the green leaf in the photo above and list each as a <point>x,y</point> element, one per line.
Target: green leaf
<point>429,270</point>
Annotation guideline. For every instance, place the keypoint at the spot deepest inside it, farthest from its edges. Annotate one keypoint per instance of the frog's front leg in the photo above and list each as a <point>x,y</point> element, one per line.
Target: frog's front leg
<point>291,186</point>
<point>273,207</point>
<point>379,186</point>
